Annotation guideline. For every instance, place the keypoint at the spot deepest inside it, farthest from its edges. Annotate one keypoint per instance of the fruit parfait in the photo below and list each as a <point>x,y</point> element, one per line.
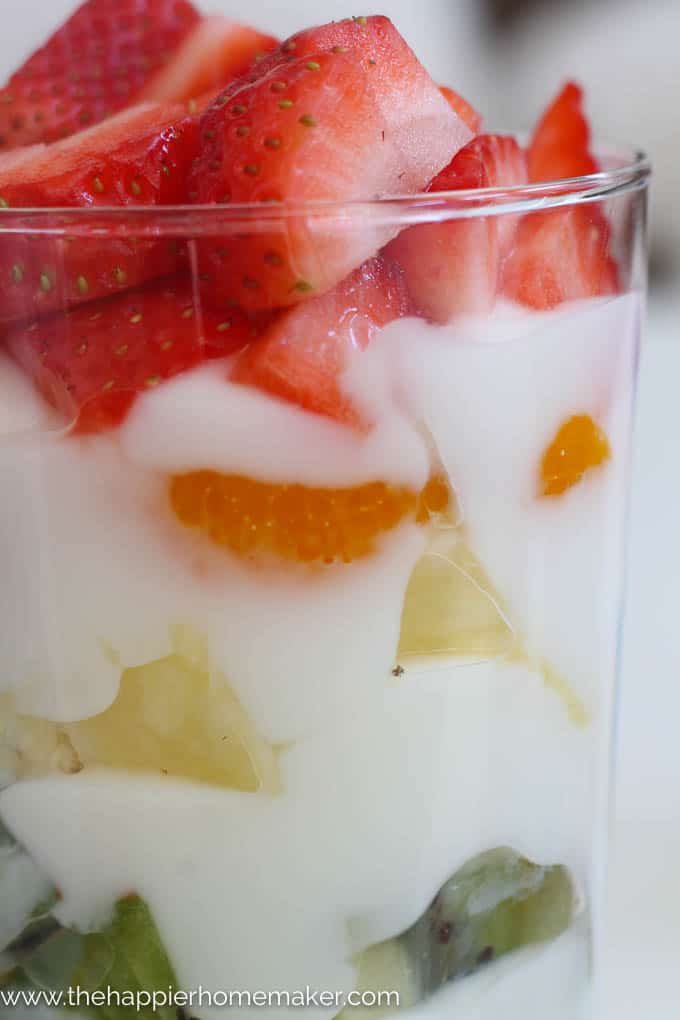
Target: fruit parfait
<point>315,400</point>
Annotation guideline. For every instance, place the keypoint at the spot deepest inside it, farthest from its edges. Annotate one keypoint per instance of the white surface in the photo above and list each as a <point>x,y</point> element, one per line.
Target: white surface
<point>643,935</point>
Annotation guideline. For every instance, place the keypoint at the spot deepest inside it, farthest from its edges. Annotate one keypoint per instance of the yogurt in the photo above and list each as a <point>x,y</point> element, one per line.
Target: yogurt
<point>391,778</point>
<point>377,811</point>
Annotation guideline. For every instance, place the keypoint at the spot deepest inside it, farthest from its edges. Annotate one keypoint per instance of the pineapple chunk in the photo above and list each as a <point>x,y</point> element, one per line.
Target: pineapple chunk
<point>173,717</point>
<point>30,746</point>
<point>451,608</point>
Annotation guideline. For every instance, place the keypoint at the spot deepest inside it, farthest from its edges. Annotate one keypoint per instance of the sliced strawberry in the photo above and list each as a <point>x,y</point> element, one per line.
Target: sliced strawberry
<point>349,120</point>
<point>561,254</point>
<point>374,41</point>
<point>91,362</point>
<point>141,157</point>
<point>302,355</point>
<point>559,147</point>
<point>15,157</point>
<point>96,64</point>
<point>464,109</point>
<point>452,268</point>
<point>488,161</point>
<point>215,52</point>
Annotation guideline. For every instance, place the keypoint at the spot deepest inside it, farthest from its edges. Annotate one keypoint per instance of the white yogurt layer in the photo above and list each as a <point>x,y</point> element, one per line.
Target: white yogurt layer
<point>389,785</point>
<point>492,409</point>
<point>21,407</point>
<point>237,429</point>
<point>96,570</point>
<point>376,813</point>
<point>98,567</point>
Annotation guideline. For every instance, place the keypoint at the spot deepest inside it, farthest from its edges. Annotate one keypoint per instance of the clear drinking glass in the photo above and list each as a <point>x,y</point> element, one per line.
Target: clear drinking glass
<point>300,703</point>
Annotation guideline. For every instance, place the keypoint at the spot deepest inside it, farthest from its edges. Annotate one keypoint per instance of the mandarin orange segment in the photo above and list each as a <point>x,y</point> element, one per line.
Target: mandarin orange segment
<point>434,499</point>
<point>578,446</point>
<point>298,522</point>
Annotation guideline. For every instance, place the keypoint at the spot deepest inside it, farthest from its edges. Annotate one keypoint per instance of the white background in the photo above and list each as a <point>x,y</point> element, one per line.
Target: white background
<point>643,938</point>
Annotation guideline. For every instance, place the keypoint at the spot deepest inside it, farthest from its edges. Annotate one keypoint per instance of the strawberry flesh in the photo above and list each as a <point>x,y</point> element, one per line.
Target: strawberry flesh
<point>460,106</point>
<point>354,117</point>
<point>561,254</point>
<point>559,147</point>
<point>452,268</point>
<point>215,52</point>
<point>99,62</point>
<point>302,355</point>
<point>92,362</point>
<point>139,158</point>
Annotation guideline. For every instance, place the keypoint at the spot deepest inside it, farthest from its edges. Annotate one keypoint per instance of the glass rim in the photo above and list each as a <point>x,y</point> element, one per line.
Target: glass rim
<point>631,172</point>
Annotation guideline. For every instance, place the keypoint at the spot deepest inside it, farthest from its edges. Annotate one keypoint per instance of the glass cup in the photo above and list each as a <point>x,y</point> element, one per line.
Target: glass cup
<point>308,652</point>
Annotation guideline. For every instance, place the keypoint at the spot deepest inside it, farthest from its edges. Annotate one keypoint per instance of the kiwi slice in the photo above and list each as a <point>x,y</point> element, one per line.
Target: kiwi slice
<point>496,903</point>
<point>37,952</point>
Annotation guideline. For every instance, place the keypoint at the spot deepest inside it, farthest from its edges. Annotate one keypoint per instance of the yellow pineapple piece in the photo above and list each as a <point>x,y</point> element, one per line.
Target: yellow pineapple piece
<point>191,645</point>
<point>577,711</point>
<point>451,607</point>
<point>31,747</point>
<point>173,717</point>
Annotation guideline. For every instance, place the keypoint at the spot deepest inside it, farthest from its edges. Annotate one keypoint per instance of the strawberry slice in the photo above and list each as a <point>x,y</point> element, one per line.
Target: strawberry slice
<point>452,268</point>
<point>215,52</point>
<point>559,147</point>
<point>120,162</point>
<point>96,64</point>
<point>460,106</point>
<point>139,158</point>
<point>303,353</point>
<point>92,362</point>
<point>561,254</point>
<point>354,117</point>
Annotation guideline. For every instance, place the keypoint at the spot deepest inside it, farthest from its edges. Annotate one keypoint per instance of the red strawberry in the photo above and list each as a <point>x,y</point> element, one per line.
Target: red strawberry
<point>120,162</point>
<point>464,109</point>
<point>452,268</point>
<point>91,362</point>
<point>303,353</point>
<point>561,254</point>
<point>217,51</point>
<point>559,146</point>
<point>340,123</point>
<point>99,62</point>
<point>139,158</point>
<point>375,41</point>
<point>15,157</point>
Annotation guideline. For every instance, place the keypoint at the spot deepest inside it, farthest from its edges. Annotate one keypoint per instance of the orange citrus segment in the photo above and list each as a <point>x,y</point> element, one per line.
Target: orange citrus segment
<point>434,499</point>
<point>298,522</point>
<point>579,445</point>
